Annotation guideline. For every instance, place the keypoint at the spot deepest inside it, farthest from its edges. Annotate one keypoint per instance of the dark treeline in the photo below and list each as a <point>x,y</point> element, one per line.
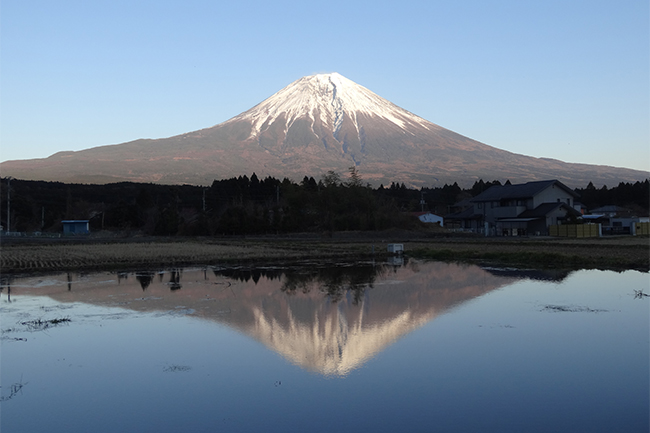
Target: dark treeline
<point>632,196</point>
<point>249,205</point>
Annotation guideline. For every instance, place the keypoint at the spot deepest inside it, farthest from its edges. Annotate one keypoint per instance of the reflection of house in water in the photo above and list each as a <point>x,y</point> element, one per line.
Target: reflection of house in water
<point>175,279</point>
<point>122,276</point>
<point>326,319</point>
<point>5,283</point>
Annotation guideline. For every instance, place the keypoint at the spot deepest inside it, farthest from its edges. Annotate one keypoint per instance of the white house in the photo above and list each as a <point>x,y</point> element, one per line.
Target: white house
<point>428,217</point>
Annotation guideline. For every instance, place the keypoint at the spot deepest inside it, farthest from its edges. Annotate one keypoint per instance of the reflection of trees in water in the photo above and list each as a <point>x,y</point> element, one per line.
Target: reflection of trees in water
<point>145,279</point>
<point>332,280</point>
<point>175,279</point>
<point>335,281</point>
<point>247,274</point>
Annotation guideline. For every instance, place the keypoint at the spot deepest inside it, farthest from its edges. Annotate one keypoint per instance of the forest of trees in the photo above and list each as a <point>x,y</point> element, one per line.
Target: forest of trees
<point>249,205</point>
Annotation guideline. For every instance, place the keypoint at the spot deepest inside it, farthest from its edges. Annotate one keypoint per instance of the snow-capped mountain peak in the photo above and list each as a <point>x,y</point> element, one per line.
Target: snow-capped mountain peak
<point>330,98</point>
<point>316,125</point>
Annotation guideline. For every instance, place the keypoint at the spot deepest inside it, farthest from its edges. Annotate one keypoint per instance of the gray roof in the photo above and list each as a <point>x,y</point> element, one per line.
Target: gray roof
<point>519,191</point>
<point>544,209</point>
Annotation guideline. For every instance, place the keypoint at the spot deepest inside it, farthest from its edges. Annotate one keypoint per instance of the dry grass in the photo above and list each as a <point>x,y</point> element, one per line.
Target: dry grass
<point>72,256</point>
<point>81,256</point>
<point>611,253</point>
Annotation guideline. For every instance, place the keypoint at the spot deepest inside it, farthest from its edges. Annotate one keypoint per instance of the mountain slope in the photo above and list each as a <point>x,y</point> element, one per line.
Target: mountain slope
<point>316,124</point>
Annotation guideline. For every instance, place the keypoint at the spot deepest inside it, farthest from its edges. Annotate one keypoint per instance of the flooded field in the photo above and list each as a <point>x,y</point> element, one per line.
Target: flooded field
<point>402,346</point>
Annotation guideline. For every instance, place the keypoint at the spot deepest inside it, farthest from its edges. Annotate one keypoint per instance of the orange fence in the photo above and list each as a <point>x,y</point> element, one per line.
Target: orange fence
<point>642,228</point>
<point>574,230</point>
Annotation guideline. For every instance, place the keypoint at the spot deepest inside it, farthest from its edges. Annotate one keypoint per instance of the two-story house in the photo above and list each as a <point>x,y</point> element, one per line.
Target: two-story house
<point>518,210</point>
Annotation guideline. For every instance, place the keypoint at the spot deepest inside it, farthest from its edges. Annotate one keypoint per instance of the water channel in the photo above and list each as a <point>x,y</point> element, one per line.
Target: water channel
<point>402,346</point>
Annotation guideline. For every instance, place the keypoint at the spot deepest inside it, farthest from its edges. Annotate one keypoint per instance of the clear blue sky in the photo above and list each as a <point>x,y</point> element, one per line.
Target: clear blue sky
<point>563,79</point>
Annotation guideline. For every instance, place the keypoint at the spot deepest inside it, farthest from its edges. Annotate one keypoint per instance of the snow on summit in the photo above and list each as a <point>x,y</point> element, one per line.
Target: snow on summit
<point>315,125</point>
<point>330,97</point>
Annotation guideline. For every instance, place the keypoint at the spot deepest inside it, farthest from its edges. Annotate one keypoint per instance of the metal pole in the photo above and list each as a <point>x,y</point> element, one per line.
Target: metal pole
<point>8,204</point>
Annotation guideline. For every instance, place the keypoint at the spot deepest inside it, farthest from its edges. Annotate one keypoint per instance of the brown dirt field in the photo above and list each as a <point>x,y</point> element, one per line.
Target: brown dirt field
<point>43,255</point>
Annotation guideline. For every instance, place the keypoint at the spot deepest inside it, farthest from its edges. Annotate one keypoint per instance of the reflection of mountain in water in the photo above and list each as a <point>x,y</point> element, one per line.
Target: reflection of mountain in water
<point>333,322</point>
<point>327,319</point>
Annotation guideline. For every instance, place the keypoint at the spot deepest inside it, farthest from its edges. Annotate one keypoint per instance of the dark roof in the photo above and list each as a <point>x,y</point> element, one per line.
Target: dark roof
<point>519,191</point>
<point>545,208</point>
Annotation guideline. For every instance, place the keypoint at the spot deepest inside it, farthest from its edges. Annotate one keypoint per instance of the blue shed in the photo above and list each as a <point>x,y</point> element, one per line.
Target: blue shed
<point>76,227</point>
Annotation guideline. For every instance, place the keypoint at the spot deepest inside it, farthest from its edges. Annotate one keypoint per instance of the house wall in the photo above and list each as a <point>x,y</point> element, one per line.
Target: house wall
<point>551,195</point>
<point>491,211</point>
<point>538,227</point>
<point>466,225</point>
<point>552,217</point>
<point>505,212</point>
<point>514,228</point>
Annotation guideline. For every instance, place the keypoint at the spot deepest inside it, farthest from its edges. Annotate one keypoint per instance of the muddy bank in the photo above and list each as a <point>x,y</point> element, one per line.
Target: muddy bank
<point>38,255</point>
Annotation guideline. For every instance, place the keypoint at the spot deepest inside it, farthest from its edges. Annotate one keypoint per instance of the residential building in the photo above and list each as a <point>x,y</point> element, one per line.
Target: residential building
<point>517,210</point>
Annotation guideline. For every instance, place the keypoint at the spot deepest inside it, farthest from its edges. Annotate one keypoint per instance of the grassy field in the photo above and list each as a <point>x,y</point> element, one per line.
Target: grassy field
<point>42,255</point>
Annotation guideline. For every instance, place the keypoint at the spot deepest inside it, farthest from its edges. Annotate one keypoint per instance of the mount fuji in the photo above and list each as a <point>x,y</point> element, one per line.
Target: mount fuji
<point>316,124</point>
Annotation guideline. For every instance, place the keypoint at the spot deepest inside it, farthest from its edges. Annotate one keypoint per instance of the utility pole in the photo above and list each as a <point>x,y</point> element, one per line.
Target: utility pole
<point>8,204</point>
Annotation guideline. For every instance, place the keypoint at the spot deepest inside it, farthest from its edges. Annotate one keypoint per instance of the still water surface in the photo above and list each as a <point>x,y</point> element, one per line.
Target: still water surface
<point>416,346</point>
